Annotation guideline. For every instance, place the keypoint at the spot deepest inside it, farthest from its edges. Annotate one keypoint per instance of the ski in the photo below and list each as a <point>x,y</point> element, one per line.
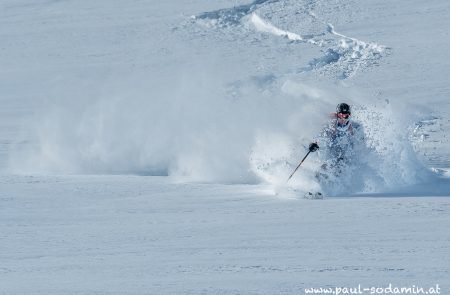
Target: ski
<point>314,196</point>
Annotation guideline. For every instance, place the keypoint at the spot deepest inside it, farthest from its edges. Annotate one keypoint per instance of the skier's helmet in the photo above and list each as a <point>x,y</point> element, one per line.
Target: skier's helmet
<point>343,108</point>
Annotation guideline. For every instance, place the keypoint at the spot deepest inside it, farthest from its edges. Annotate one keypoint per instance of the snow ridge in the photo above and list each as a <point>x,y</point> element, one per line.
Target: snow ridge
<point>356,53</point>
<point>348,53</point>
<point>231,16</point>
<point>264,26</point>
<point>341,56</point>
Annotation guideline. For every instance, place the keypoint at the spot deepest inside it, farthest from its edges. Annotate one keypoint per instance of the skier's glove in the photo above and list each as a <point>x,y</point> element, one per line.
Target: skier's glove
<point>313,147</point>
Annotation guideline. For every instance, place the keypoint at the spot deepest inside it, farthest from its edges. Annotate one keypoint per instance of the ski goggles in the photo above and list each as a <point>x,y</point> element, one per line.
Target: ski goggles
<point>343,115</point>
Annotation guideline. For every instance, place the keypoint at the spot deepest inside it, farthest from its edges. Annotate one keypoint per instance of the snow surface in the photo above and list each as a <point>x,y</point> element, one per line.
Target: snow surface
<point>145,146</point>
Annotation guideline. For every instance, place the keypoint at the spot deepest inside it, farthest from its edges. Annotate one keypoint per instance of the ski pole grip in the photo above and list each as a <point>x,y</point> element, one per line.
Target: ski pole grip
<point>313,147</point>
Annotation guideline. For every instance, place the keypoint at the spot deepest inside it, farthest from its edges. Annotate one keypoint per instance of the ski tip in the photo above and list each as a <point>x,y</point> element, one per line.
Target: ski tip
<point>314,196</point>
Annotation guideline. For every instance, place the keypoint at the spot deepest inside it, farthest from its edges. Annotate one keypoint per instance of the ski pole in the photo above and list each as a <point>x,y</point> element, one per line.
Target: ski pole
<point>312,148</point>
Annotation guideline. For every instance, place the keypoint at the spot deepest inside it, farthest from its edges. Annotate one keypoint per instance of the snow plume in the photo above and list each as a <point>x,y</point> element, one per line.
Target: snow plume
<point>201,125</point>
<point>393,159</point>
<point>197,124</point>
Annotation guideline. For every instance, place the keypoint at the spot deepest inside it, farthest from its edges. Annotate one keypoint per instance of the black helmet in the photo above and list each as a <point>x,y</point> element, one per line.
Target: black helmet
<point>343,108</point>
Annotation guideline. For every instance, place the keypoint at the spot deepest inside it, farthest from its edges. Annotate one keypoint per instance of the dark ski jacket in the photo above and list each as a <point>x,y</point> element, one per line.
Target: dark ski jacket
<point>339,142</point>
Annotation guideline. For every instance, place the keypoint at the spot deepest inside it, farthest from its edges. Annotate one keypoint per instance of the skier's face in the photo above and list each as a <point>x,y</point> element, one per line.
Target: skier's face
<point>343,118</point>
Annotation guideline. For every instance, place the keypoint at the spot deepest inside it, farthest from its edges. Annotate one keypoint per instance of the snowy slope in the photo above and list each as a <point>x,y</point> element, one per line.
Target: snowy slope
<point>144,145</point>
<point>144,235</point>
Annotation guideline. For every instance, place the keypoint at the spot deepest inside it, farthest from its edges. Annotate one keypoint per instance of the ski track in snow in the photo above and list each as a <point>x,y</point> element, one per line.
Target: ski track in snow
<point>343,56</point>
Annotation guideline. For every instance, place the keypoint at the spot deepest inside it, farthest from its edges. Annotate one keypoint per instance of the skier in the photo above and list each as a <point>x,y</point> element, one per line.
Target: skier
<point>342,141</point>
<point>338,140</point>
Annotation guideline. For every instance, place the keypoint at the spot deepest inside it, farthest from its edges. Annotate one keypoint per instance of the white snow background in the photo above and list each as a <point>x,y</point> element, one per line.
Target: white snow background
<point>145,146</point>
